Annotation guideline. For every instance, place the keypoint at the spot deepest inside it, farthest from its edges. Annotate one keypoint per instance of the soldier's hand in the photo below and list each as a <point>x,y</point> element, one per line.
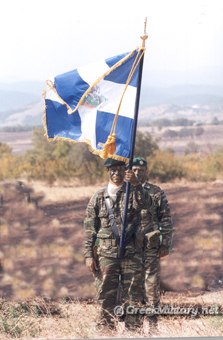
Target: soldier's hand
<point>131,177</point>
<point>91,264</point>
<point>163,251</point>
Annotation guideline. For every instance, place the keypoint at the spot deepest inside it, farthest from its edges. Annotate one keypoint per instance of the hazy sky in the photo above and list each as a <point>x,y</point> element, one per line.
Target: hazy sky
<point>43,38</point>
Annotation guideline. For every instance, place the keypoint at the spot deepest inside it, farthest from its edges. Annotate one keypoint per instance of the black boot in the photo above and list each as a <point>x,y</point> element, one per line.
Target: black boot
<point>153,324</point>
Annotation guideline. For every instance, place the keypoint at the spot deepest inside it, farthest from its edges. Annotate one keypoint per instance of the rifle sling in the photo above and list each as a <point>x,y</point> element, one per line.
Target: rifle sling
<point>112,220</point>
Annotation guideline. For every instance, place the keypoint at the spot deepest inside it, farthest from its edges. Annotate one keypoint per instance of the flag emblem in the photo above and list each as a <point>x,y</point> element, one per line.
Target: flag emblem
<point>94,98</point>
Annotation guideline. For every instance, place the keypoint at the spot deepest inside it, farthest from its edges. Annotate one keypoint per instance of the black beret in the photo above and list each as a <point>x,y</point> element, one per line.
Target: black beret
<point>139,161</point>
<point>112,162</point>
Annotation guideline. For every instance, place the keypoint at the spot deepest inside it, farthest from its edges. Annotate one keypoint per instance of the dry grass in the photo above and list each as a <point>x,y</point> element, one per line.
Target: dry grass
<point>42,255</point>
<point>61,192</point>
<point>74,320</point>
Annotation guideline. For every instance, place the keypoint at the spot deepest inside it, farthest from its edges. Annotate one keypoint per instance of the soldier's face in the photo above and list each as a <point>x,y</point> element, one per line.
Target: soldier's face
<point>140,172</point>
<point>116,174</point>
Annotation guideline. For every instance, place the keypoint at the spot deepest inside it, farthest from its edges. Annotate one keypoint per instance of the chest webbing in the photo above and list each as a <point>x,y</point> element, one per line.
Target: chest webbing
<point>111,217</point>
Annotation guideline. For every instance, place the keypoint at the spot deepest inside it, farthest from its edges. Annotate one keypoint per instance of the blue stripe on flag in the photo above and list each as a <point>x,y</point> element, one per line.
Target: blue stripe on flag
<point>70,86</point>
<point>61,124</point>
<point>124,126</point>
<point>113,60</point>
<point>121,74</point>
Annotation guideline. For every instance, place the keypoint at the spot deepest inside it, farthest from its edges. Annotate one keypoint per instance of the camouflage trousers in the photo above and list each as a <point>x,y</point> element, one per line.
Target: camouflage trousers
<point>152,269</point>
<point>116,284</point>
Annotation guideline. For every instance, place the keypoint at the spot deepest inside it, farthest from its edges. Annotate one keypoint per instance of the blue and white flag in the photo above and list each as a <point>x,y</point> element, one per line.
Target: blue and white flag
<point>93,101</point>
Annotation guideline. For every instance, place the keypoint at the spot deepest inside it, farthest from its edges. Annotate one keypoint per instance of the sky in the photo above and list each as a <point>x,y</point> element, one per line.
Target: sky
<point>43,38</point>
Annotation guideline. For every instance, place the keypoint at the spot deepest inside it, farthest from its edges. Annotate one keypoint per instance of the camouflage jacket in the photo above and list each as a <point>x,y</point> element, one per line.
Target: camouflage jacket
<point>157,216</point>
<point>98,230</point>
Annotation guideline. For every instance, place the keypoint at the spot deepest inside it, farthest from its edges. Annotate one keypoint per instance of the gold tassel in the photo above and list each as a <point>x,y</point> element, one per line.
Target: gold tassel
<point>109,147</point>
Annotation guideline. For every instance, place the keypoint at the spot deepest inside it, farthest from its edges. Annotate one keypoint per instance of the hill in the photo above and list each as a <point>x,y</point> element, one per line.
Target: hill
<point>21,103</point>
<point>30,115</point>
<point>181,94</point>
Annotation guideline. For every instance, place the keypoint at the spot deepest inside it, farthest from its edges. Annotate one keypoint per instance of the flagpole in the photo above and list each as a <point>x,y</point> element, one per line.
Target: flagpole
<point>136,110</point>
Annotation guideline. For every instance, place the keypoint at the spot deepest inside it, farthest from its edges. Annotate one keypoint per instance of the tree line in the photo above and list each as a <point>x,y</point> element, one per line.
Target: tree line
<point>64,160</point>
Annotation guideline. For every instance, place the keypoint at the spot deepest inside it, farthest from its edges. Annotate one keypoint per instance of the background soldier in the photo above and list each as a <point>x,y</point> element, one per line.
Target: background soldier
<point>157,226</point>
<point>102,229</point>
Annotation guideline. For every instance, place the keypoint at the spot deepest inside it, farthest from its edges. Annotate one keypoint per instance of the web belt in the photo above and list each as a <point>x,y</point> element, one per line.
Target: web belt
<point>112,220</point>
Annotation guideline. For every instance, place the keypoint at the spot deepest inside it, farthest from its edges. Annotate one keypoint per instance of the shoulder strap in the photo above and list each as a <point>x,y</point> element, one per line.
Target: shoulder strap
<point>112,220</point>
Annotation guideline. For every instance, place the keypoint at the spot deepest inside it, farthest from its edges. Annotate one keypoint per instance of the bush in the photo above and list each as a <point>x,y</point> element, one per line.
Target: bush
<point>60,160</point>
<point>199,131</point>
<point>186,132</point>
<point>146,145</point>
<point>170,133</point>
<point>191,147</point>
<point>5,150</point>
<point>164,166</point>
<point>203,168</point>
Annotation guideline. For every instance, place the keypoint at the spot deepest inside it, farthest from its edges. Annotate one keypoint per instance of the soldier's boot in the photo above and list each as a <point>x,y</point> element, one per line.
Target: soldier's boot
<point>103,325</point>
<point>153,324</point>
<point>106,320</point>
<point>134,322</point>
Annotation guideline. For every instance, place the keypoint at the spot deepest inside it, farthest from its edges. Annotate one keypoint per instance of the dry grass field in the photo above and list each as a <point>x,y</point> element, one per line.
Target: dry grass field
<point>18,141</point>
<point>210,141</point>
<point>46,289</point>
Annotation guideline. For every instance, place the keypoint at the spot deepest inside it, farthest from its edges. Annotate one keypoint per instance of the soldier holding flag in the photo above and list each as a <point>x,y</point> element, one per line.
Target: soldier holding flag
<point>102,229</point>
<point>98,105</point>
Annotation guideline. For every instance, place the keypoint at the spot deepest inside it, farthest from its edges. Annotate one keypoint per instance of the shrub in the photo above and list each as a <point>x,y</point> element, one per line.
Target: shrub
<point>146,145</point>
<point>5,150</point>
<point>165,166</point>
<point>203,168</point>
<point>170,133</point>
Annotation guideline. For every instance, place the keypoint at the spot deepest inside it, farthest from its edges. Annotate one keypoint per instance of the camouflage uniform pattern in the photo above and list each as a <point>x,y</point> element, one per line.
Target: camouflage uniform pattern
<point>158,228</point>
<point>112,270</point>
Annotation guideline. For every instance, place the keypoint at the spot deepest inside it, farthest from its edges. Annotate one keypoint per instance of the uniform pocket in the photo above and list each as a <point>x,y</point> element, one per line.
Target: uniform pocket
<point>107,247</point>
<point>153,239</point>
<point>103,216</point>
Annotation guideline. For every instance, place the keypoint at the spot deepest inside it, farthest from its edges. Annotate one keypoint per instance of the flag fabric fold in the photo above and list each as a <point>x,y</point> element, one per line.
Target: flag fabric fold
<point>93,102</point>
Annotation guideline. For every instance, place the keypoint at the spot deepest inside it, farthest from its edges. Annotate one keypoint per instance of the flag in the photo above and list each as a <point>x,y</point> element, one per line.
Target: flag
<point>95,104</point>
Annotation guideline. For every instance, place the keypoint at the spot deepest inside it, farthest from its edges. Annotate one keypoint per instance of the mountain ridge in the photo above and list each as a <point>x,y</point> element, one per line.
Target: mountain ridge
<point>21,102</point>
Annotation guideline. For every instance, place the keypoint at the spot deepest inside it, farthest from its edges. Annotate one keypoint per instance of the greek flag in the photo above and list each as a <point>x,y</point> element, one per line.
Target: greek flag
<point>82,105</point>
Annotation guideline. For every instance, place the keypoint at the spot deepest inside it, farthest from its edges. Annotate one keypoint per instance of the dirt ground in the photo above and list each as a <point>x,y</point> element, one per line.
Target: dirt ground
<point>42,240</point>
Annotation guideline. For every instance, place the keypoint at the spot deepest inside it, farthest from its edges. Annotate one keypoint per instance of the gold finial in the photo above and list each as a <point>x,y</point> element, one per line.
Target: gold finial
<point>145,36</point>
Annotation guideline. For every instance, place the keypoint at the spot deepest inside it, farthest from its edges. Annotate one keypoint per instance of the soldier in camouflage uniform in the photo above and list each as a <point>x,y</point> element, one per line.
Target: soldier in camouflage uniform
<point>102,230</point>
<point>157,226</point>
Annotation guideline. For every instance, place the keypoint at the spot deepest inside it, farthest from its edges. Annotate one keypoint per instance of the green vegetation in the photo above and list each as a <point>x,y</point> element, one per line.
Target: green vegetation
<point>164,166</point>
<point>64,160</point>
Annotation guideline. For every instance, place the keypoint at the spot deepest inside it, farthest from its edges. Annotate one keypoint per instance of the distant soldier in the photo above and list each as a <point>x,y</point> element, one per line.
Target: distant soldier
<point>157,226</point>
<point>103,223</point>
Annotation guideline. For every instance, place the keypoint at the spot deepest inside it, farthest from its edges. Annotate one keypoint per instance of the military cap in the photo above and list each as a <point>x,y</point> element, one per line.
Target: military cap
<point>139,161</point>
<point>112,162</point>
